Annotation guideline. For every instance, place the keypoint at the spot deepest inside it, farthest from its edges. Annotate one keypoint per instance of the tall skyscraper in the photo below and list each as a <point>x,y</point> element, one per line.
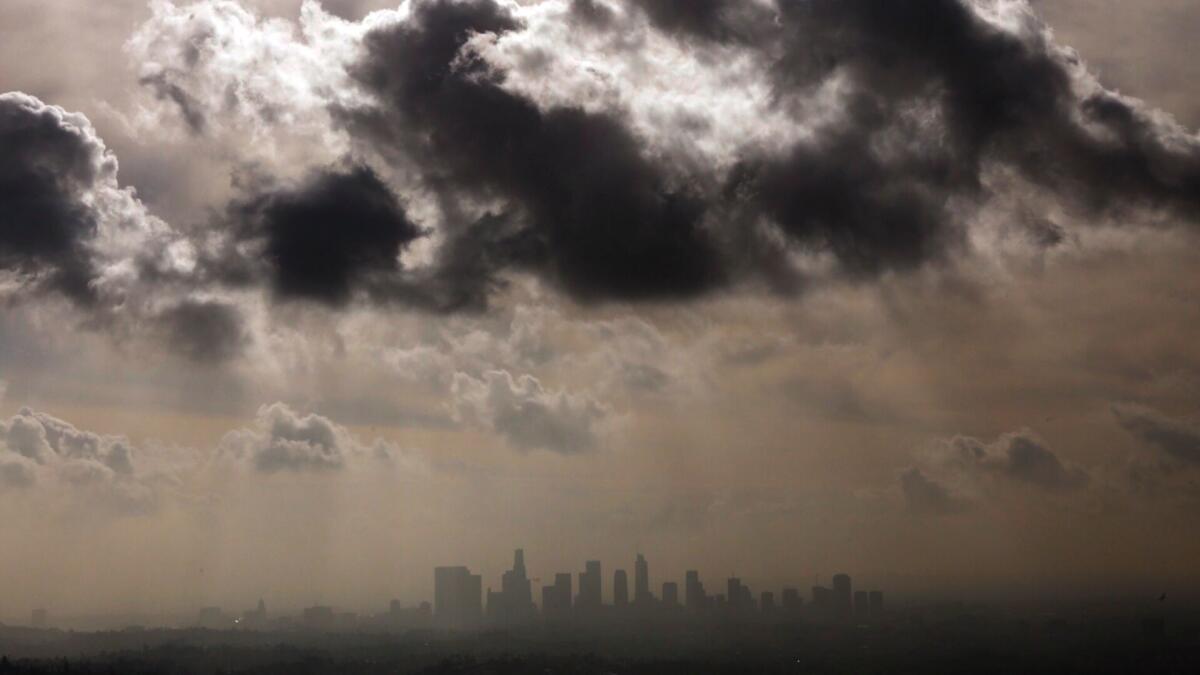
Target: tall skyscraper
<point>590,587</point>
<point>791,600</point>
<point>734,594</point>
<point>457,597</point>
<point>556,599</point>
<point>514,602</point>
<point>876,600</point>
<point>767,602</point>
<point>641,582</point>
<point>693,592</point>
<point>842,595</point>
<point>620,589</point>
<point>670,594</point>
<point>861,605</point>
<point>822,599</point>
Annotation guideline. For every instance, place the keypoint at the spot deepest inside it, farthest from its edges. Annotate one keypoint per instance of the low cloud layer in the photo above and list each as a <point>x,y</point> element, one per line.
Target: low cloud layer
<point>1178,439</point>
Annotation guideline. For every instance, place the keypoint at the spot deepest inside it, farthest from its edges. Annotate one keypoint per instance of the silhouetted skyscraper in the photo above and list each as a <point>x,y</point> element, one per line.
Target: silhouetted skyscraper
<point>842,595</point>
<point>861,608</point>
<point>737,595</point>
<point>514,602</point>
<point>556,599</point>
<point>457,597</point>
<point>876,600</point>
<point>791,600</point>
<point>767,602</point>
<point>670,594</point>
<point>590,587</point>
<point>620,589</point>
<point>693,592</point>
<point>641,582</point>
<point>822,599</point>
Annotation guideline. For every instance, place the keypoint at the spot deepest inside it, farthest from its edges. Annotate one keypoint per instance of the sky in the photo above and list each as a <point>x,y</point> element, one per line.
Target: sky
<point>301,299</point>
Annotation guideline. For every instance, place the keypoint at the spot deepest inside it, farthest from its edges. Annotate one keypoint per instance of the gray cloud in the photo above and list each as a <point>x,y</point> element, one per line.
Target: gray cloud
<point>284,440</point>
<point>1179,439</point>
<point>1018,456</point>
<point>528,415</point>
<point>52,161</point>
<point>924,496</point>
<point>204,331</point>
<point>883,144</point>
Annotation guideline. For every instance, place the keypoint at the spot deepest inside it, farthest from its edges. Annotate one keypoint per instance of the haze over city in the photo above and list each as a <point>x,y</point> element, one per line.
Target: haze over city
<point>301,300</point>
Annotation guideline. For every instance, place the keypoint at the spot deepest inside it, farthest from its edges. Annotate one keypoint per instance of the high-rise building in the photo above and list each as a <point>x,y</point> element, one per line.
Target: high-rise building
<point>822,600</point>
<point>457,597</point>
<point>670,594</point>
<point>318,618</point>
<point>791,600</point>
<point>556,599</point>
<point>620,589</point>
<point>693,592</point>
<point>590,587</point>
<point>514,602</point>
<point>876,600</point>
<point>767,602</point>
<point>737,595</point>
<point>861,606</point>
<point>842,595</point>
<point>641,582</point>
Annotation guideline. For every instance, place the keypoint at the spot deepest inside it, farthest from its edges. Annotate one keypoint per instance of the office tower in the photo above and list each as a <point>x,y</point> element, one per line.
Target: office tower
<point>556,599</point>
<point>620,589</point>
<point>734,594</point>
<point>590,586</point>
<point>861,608</point>
<point>457,597</point>
<point>514,602</point>
<point>767,602</point>
<point>822,599</point>
<point>641,582</point>
<point>693,592</point>
<point>842,595</point>
<point>791,600</point>
<point>876,601</point>
<point>670,594</point>
<point>255,618</point>
<point>318,618</point>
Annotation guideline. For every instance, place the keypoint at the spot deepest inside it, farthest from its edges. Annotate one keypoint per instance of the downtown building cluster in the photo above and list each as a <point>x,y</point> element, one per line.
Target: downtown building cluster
<point>461,602</point>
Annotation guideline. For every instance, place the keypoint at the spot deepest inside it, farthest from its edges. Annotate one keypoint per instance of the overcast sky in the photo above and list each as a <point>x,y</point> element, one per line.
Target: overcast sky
<point>301,300</point>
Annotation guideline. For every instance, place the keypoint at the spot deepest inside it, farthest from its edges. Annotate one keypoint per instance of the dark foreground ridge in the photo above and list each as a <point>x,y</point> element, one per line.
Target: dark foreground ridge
<point>939,639</point>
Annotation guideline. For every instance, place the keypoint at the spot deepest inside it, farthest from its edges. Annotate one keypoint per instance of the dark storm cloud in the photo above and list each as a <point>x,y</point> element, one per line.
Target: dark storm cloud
<point>874,187</point>
<point>340,231</point>
<point>47,164</point>
<point>205,331</point>
<point>1004,96</point>
<point>1178,438</point>
<point>719,20</point>
<point>597,217</point>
